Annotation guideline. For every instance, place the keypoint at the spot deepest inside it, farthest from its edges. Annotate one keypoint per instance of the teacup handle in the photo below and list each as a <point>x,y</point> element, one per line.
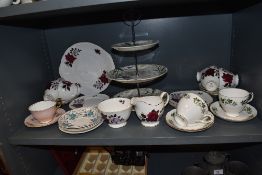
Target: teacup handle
<point>208,117</point>
<point>16,2</point>
<point>165,97</point>
<point>251,96</point>
<point>182,120</point>
<point>58,103</point>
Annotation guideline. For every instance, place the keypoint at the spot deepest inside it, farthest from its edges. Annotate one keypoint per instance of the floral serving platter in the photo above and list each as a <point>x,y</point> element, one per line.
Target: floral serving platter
<point>87,64</point>
<point>139,45</point>
<point>248,113</point>
<point>170,120</point>
<point>86,101</point>
<point>31,122</point>
<point>146,73</point>
<point>134,93</point>
<point>174,97</point>
<point>80,120</point>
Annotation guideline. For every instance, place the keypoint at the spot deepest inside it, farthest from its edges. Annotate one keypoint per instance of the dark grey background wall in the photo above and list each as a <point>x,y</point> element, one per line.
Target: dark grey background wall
<point>24,73</point>
<point>187,44</point>
<point>247,47</point>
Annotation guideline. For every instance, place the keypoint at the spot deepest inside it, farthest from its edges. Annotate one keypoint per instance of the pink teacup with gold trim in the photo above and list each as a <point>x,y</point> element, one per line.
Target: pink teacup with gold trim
<point>43,111</point>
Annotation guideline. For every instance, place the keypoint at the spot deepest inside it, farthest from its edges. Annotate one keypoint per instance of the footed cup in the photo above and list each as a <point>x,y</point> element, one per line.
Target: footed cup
<point>233,100</point>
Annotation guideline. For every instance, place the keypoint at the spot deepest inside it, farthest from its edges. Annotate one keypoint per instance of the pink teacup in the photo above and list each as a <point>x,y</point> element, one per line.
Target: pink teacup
<point>43,111</point>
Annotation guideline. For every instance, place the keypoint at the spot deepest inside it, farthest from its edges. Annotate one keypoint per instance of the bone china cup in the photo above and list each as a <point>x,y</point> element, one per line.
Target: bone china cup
<point>192,109</point>
<point>233,100</point>
<point>115,111</point>
<point>43,111</point>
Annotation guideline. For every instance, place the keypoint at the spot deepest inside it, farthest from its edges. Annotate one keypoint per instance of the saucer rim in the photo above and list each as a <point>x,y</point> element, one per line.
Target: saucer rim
<point>80,131</point>
<point>184,129</point>
<point>40,125</point>
<point>233,119</point>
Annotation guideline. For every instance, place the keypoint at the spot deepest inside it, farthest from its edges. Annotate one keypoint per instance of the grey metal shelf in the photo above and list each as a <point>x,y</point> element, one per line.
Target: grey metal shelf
<point>135,134</point>
<point>59,7</point>
<point>57,13</point>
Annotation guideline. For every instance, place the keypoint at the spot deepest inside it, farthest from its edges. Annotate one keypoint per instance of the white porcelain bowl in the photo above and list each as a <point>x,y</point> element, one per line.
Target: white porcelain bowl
<point>115,111</point>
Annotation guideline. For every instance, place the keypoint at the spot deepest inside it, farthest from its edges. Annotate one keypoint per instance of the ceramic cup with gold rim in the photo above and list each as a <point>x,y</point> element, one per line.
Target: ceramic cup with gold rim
<point>192,109</point>
<point>233,100</point>
<point>43,111</point>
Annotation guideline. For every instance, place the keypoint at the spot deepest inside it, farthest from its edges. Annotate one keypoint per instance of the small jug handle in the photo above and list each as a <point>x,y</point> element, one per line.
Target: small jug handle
<point>16,2</point>
<point>251,96</point>
<point>165,97</point>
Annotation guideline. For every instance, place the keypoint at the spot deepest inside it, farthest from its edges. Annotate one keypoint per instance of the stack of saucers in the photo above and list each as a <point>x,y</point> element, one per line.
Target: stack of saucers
<point>80,120</point>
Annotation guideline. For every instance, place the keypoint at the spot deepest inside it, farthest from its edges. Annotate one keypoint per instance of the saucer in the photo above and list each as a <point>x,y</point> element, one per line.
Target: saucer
<point>80,120</point>
<point>214,93</point>
<point>248,113</point>
<point>31,122</point>
<point>80,131</point>
<point>196,127</point>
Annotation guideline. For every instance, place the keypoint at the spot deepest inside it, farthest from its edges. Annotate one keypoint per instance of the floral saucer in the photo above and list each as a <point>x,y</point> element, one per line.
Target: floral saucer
<point>31,122</point>
<point>170,120</point>
<point>80,120</point>
<point>86,101</point>
<point>214,93</point>
<point>248,113</point>
<point>80,131</point>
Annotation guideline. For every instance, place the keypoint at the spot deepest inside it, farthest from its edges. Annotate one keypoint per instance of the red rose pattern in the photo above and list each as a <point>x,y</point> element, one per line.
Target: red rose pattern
<point>151,116</point>
<point>227,78</point>
<point>210,72</point>
<point>72,56</point>
<point>102,80</point>
<point>70,59</point>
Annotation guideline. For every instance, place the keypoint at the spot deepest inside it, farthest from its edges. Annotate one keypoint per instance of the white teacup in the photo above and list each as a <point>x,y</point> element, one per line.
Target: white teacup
<point>233,100</point>
<point>115,111</point>
<point>192,109</point>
